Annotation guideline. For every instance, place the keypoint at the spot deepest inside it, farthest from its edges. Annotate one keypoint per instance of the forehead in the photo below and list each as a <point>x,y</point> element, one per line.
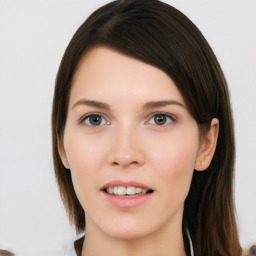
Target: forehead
<point>105,73</point>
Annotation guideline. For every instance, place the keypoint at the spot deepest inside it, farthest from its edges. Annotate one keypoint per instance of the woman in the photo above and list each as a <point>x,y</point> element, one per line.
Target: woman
<point>143,140</point>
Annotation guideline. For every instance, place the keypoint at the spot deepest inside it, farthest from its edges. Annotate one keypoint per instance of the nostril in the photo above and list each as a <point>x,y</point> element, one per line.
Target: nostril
<point>125,163</point>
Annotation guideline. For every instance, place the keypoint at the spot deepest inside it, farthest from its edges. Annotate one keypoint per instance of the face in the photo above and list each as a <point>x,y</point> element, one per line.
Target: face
<point>131,146</point>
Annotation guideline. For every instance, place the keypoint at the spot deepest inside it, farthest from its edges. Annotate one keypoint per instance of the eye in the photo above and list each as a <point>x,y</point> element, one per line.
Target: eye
<point>160,119</point>
<point>94,120</point>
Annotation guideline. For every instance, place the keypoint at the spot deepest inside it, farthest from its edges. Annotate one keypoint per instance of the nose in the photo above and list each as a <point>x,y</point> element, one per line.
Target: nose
<point>126,148</point>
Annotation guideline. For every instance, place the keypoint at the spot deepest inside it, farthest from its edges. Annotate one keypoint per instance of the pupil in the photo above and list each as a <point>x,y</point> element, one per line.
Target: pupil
<point>95,120</point>
<point>160,119</point>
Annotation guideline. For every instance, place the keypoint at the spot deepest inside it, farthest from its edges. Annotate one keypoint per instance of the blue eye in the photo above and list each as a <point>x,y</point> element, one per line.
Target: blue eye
<point>160,119</point>
<point>94,120</point>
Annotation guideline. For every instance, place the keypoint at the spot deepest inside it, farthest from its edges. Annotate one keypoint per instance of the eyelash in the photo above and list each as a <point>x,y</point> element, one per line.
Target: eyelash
<point>167,117</point>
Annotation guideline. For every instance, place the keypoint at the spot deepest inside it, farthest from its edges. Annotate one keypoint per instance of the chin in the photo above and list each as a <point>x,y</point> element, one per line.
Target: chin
<point>127,235</point>
<point>123,231</point>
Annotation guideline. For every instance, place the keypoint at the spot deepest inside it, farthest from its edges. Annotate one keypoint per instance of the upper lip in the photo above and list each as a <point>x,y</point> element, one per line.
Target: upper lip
<point>116,183</point>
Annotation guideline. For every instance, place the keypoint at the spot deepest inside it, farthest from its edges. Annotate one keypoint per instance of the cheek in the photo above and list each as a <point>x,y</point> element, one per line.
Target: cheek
<point>84,152</point>
<point>86,157</point>
<point>174,160</point>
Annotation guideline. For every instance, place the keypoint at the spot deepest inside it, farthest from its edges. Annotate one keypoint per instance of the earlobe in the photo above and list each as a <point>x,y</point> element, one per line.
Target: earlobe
<point>63,155</point>
<point>207,147</point>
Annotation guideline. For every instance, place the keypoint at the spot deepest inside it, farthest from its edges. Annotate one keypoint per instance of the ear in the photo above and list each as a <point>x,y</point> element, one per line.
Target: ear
<point>207,147</point>
<point>63,155</point>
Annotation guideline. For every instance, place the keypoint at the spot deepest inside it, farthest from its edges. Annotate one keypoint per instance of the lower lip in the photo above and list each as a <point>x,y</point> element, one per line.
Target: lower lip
<point>127,202</point>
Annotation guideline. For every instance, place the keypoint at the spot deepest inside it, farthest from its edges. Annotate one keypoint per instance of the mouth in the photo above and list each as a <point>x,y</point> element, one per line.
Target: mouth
<point>126,194</point>
<point>129,191</point>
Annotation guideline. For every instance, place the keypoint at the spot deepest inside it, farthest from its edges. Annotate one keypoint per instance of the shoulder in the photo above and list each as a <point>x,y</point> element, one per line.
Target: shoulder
<point>74,248</point>
<point>69,250</point>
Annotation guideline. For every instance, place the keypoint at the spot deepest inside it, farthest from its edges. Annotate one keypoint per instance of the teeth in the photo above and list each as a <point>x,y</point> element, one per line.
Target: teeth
<point>130,190</point>
<point>122,191</point>
<point>144,191</point>
<point>110,190</point>
<point>138,190</point>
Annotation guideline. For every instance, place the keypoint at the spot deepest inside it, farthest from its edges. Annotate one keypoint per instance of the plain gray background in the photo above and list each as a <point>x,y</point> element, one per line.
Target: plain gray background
<point>33,37</point>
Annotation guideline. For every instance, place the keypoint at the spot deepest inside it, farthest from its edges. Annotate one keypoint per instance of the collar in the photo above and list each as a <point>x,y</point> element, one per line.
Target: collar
<point>190,242</point>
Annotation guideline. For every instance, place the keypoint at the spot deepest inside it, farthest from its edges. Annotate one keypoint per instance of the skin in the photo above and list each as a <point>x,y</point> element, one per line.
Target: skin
<point>130,145</point>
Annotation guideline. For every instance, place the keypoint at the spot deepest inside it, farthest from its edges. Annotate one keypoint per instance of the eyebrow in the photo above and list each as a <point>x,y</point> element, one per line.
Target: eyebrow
<point>162,103</point>
<point>92,103</point>
<point>146,106</point>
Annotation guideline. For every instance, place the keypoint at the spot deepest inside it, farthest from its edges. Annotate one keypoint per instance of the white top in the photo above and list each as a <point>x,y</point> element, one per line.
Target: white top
<point>70,249</point>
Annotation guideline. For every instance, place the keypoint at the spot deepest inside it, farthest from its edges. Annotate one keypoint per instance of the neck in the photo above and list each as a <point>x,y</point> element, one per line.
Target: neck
<point>163,242</point>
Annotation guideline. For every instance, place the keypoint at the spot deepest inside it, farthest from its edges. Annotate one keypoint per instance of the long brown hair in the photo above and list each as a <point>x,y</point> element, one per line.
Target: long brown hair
<point>162,36</point>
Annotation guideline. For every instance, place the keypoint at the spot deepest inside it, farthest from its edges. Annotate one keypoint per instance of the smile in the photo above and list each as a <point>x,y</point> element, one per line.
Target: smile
<point>127,191</point>
<point>126,194</point>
